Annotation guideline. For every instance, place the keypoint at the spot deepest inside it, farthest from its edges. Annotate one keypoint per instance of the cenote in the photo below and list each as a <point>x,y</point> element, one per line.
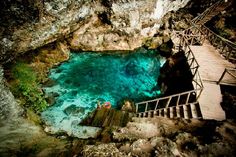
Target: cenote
<point>89,77</point>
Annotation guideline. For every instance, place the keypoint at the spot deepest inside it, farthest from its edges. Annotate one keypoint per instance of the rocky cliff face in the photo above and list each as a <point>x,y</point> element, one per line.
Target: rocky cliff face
<point>123,26</point>
<point>9,109</point>
<point>97,24</point>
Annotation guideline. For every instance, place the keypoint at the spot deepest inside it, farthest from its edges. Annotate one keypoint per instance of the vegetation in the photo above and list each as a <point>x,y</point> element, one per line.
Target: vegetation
<point>26,87</point>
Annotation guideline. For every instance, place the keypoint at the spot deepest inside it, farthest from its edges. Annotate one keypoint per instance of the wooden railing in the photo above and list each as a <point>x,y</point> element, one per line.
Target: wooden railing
<point>229,71</point>
<point>194,36</point>
<point>197,34</point>
<point>180,98</point>
<point>165,102</point>
<point>226,48</point>
<point>173,100</point>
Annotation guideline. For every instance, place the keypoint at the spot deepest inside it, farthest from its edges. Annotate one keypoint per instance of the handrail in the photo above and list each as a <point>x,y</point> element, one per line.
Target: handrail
<point>227,70</point>
<point>226,47</point>
<point>222,38</point>
<point>199,33</point>
<point>164,102</point>
<point>140,113</point>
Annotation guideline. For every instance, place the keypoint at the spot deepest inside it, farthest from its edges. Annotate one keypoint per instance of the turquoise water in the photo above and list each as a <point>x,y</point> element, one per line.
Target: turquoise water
<point>90,77</point>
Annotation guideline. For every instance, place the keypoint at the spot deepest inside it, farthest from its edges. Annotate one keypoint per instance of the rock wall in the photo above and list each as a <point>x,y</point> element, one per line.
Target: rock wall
<point>9,109</point>
<point>146,137</point>
<point>99,24</point>
<point>123,26</point>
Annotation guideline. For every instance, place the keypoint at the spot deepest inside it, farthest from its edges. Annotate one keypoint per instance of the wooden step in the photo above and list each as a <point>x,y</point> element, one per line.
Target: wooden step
<point>155,113</point>
<point>141,115</point>
<point>196,112</point>
<point>166,112</point>
<point>181,111</point>
<point>99,117</point>
<point>137,114</point>
<point>109,117</point>
<point>162,112</point>
<point>198,109</point>
<point>186,112</point>
<point>178,112</point>
<point>151,114</point>
<point>171,112</point>
<point>174,111</point>
<point>189,111</point>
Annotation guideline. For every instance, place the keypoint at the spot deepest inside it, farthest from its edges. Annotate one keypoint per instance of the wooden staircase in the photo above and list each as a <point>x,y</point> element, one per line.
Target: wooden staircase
<point>212,11</point>
<point>188,111</point>
<point>183,39</point>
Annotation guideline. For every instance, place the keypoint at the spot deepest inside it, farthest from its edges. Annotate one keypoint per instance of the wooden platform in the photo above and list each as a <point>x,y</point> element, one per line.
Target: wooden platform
<point>108,117</point>
<point>212,65</point>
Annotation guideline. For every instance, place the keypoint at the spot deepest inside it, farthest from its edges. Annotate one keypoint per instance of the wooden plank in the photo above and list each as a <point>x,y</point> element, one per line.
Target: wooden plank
<point>212,64</point>
<point>210,100</point>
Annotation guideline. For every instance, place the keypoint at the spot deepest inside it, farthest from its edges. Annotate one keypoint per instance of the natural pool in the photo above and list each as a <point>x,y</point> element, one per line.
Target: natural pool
<point>90,77</point>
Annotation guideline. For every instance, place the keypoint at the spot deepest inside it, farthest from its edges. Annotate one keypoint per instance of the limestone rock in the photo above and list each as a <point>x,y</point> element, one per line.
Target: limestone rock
<point>165,147</point>
<point>135,130</point>
<point>9,108</point>
<point>97,25</point>
<point>105,150</point>
<point>141,147</point>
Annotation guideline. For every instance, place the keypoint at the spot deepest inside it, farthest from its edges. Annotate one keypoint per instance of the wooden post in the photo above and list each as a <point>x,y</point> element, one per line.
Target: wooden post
<point>186,102</point>
<point>177,103</point>
<point>228,55</point>
<point>156,104</point>
<point>146,106</point>
<point>137,108</point>
<point>168,102</point>
<point>222,76</point>
<point>192,40</point>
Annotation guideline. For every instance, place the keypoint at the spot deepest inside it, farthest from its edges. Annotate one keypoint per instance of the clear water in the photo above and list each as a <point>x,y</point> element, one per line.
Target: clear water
<point>90,77</point>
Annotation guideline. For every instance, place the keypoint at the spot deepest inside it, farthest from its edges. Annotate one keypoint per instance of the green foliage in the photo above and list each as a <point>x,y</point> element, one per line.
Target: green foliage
<point>26,87</point>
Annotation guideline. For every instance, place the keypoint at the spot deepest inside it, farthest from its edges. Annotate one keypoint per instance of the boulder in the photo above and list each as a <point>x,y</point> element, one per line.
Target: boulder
<point>141,147</point>
<point>128,106</point>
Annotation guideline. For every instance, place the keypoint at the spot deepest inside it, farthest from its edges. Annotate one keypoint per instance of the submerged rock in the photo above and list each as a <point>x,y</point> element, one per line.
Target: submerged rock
<point>74,110</point>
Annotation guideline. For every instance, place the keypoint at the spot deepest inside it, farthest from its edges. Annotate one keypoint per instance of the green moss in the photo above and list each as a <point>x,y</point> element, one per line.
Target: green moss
<point>26,88</point>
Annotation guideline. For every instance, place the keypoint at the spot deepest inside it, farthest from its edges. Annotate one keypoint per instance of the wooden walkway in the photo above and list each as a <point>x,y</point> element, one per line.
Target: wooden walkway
<point>212,65</point>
